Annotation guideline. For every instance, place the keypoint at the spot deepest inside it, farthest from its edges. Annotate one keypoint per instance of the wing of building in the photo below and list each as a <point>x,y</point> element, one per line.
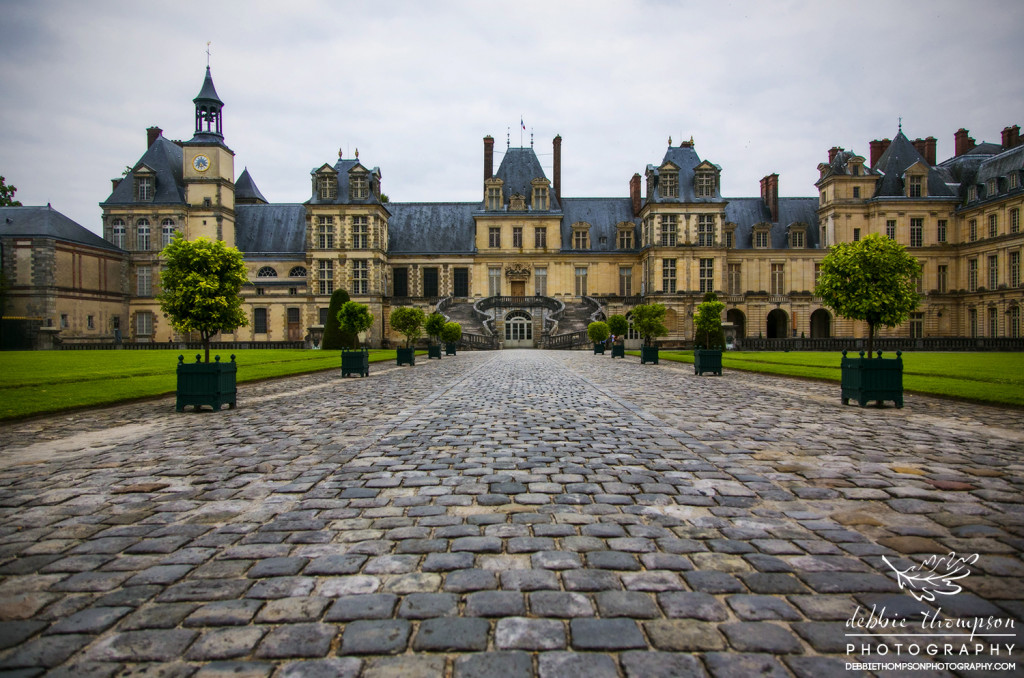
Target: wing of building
<point>529,266</point>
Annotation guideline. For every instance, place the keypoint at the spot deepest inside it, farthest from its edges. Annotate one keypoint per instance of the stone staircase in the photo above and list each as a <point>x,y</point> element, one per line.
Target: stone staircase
<point>462,313</point>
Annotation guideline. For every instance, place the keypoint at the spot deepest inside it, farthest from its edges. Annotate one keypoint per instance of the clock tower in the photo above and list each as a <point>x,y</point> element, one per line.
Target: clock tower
<point>209,170</point>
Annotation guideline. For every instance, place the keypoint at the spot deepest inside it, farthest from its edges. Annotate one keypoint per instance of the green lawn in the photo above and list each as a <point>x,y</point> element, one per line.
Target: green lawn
<point>36,382</point>
<point>985,377</point>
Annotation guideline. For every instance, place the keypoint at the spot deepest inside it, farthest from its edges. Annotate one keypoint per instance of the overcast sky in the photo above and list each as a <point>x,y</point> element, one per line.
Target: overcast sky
<point>761,87</point>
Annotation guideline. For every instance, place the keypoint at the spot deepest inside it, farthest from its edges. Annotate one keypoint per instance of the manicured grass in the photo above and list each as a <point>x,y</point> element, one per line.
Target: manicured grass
<point>985,377</point>
<point>36,382</point>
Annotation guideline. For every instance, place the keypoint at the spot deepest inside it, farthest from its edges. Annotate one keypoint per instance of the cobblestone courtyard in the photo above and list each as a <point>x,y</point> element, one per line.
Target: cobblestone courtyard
<point>506,514</point>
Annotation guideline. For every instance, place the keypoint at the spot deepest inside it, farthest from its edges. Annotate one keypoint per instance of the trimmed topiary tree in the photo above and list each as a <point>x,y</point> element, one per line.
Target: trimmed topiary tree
<point>451,332</point>
<point>618,326</point>
<point>354,318</point>
<point>597,331</point>
<point>334,339</point>
<point>408,321</point>
<point>433,326</point>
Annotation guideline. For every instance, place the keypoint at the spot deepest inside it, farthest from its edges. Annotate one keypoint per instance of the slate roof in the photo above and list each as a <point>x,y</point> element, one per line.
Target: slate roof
<point>603,215</point>
<point>431,228</point>
<point>245,188</point>
<point>518,168</point>
<point>47,222</point>
<point>270,229</point>
<point>165,159</point>
<point>687,160</point>
<point>840,165</point>
<point>208,91</point>
<point>894,162</point>
<point>999,167</point>
<point>746,212</point>
<point>343,167</point>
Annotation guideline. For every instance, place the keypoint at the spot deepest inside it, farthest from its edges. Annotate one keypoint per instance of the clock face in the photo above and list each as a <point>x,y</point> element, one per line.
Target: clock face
<point>201,163</point>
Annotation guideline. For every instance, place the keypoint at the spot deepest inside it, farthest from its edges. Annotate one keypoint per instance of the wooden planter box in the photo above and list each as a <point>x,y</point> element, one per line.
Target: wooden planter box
<point>449,349</point>
<point>648,354</point>
<point>434,351</point>
<point>706,360</point>
<point>618,351</point>
<point>406,356</point>
<point>878,379</point>
<point>355,362</point>
<point>210,384</point>
<point>598,349</point>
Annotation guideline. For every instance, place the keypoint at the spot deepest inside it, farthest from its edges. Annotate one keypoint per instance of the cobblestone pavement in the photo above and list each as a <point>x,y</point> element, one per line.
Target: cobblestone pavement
<point>511,514</point>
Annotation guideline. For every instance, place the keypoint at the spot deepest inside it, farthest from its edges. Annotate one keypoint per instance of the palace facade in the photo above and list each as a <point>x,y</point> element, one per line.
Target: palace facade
<point>526,264</point>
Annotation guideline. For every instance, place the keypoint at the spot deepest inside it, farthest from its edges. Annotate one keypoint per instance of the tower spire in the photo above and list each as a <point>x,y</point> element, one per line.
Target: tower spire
<point>209,121</point>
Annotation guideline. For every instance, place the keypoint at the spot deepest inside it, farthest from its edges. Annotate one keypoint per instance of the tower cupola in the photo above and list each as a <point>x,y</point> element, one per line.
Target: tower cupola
<point>209,121</point>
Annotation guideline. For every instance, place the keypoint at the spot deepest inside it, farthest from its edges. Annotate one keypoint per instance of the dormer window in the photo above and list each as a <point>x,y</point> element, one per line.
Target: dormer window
<point>797,237</point>
<point>1011,181</point>
<point>972,193</point>
<point>625,240</point>
<point>761,239</point>
<point>915,187</point>
<point>144,188</point>
<point>729,235</point>
<point>704,184</point>
<point>495,201</point>
<point>581,235</point>
<point>993,188</point>
<point>359,187</point>
<point>669,184</point>
<point>541,194</point>
<point>326,187</point>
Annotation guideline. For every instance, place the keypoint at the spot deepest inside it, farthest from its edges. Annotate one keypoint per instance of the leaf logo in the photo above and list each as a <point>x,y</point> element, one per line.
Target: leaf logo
<point>935,575</point>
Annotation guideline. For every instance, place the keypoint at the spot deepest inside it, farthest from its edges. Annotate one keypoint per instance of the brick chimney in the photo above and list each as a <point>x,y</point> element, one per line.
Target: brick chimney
<point>152,134</point>
<point>962,142</point>
<point>1011,137</point>
<point>770,194</point>
<point>556,168</point>
<point>114,183</point>
<point>488,157</point>
<point>878,147</point>
<point>832,153</point>
<point>918,146</point>
<point>634,193</point>
<point>929,150</point>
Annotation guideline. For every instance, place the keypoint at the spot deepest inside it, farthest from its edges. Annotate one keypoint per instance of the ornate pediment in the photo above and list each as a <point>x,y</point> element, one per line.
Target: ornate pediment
<point>517,270</point>
<point>517,203</point>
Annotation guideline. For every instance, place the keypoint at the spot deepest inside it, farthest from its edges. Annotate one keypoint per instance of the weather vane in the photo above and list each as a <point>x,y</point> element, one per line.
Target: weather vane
<point>207,53</point>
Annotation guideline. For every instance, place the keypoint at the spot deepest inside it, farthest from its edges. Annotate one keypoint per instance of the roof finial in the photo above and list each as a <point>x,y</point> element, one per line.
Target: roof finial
<point>670,141</point>
<point>531,137</point>
<point>207,53</point>
<point>357,153</point>
<point>691,140</point>
<point>901,124</point>
<point>508,137</point>
<point>340,154</point>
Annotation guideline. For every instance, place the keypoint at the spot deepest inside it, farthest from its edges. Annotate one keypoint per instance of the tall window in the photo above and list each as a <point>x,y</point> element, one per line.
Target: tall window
<point>972,322</point>
<point>940,232</point>
<point>916,325</point>
<point>856,191</point>
<point>993,272</point>
<point>993,225</point>
<point>259,320</point>
<point>325,232</point>
<point>972,230</point>
<point>668,230</point>
<point>494,236</point>
<point>729,241</point>
<point>645,232</point>
<point>1015,220</point>
<point>626,281</point>
<point>668,275</point>
<point>360,276</point>
<point>1015,269</point>
<point>817,274</point>
<point>144,188</point>
<point>117,232</point>
<point>540,237</point>
<point>360,233</point>
<point>1013,322</point>
<point>494,198</point>
<point>460,282</point>
<point>707,275</point>
<point>142,234</point>
<point>890,229</point>
<point>144,324</point>
<point>916,232</point>
<point>942,278</point>
<point>735,282</point>
<point>993,322</point>
<point>358,186</point>
<point>625,239</point>
<point>705,230</point>
<point>540,281</point>
<point>856,234</point>
<point>145,281</point>
<point>517,236</point>
<point>669,184</point>
<point>581,281</point>
<point>972,275</point>
<point>540,198</point>
<point>494,281</point>
<point>326,270</point>
<point>778,278</point>
<point>400,286</point>
<point>430,281</point>
<point>166,232</point>
<point>327,187</point>
<point>705,184</point>
<point>916,182</point>
<point>580,239</point>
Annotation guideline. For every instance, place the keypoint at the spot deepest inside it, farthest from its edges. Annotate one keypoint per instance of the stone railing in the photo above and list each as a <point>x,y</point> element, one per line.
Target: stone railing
<point>567,341</point>
<point>884,344</point>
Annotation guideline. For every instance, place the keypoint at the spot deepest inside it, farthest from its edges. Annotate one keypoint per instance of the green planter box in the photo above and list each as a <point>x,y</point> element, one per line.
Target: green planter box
<point>598,349</point>
<point>406,356</point>
<point>706,360</point>
<point>434,351</point>
<point>449,349</point>
<point>210,384</point>
<point>878,379</point>
<point>618,350</point>
<point>355,362</point>
<point>648,354</point>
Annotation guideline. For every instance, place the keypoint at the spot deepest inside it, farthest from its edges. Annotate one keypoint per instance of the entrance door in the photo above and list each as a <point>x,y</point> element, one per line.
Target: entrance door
<point>294,328</point>
<point>518,330</point>
<point>518,288</point>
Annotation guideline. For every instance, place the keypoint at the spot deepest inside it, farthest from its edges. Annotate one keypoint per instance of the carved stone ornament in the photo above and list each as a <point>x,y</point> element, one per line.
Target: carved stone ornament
<point>517,203</point>
<point>517,271</point>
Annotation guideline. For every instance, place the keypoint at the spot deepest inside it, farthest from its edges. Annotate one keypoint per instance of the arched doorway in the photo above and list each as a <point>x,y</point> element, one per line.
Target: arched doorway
<point>821,324</point>
<point>518,330</point>
<point>739,322</point>
<point>632,341</point>
<point>778,324</point>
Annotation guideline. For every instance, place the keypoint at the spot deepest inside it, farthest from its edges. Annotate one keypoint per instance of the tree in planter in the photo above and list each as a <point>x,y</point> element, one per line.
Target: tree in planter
<point>334,338</point>
<point>200,284</point>
<point>649,322</point>
<point>408,321</point>
<point>598,332</point>
<point>354,318</point>
<point>618,326</point>
<point>451,332</point>
<point>433,325</point>
<point>707,323</point>
<point>873,279</point>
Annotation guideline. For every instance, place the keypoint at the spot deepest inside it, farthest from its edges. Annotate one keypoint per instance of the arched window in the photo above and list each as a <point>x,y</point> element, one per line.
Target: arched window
<point>297,272</point>
<point>266,272</point>
<point>142,234</point>
<point>117,232</point>
<point>167,232</point>
<point>518,326</point>
<point>631,333</point>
